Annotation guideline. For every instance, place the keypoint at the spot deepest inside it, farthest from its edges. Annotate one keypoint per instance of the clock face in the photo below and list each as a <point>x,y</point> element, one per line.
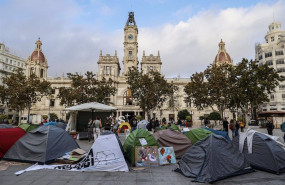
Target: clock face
<point>130,37</point>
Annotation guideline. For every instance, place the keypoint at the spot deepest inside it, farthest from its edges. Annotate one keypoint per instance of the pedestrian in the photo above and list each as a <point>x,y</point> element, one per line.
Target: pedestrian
<point>226,125</point>
<point>282,126</point>
<point>90,129</point>
<point>236,128</point>
<point>241,125</point>
<point>133,123</point>
<point>269,126</point>
<point>108,124</point>
<point>207,122</point>
<point>179,122</point>
<point>97,127</point>
<point>232,127</point>
<point>156,122</point>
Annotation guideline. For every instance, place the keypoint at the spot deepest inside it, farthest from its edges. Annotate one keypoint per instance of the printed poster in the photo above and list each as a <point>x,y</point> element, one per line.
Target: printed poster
<point>146,156</point>
<point>166,155</point>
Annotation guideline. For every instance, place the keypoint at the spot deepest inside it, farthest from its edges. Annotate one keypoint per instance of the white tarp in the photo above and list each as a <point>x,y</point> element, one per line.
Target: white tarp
<point>92,105</point>
<point>104,155</point>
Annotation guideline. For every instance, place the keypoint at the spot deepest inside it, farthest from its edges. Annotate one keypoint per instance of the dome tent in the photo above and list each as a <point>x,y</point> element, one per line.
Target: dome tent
<point>28,127</point>
<point>43,145</point>
<point>211,159</point>
<point>261,151</point>
<point>8,136</point>
<point>171,138</point>
<point>197,134</point>
<point>133,140</point>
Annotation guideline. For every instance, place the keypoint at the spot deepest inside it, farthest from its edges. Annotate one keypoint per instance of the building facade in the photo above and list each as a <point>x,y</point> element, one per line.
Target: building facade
<point>10,61</point>
<point>109,67</point>
<point>272,53</point>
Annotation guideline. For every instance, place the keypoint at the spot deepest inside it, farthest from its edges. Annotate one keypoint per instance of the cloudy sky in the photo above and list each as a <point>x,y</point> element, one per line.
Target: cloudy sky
<point>186,32</point>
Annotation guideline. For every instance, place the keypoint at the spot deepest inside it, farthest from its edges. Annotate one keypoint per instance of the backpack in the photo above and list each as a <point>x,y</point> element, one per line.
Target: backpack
<point>231,126</point>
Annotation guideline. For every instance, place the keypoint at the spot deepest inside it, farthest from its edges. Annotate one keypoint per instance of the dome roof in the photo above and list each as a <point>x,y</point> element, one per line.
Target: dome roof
<point>222,57</point>
<point>37,55</point>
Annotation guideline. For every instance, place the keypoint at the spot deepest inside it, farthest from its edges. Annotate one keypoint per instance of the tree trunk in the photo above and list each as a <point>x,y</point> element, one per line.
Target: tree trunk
<point>20,115</point>
<point>29,109</point>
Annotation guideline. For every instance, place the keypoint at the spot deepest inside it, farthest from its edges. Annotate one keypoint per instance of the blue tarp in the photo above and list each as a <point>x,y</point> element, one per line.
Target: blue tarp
<point>53,123</point>
<point>219,132</point>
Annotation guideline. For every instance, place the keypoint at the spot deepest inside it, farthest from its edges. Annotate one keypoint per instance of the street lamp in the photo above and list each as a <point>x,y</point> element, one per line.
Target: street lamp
<point>191,114</point>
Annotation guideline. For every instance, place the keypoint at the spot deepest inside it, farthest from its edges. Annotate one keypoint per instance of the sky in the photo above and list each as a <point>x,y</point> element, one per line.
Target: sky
<point>186,32</point>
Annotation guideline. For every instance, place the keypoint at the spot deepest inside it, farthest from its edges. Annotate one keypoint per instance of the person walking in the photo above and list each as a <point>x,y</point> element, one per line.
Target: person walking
<point>241,125</point>
<point>236,128</point>
<point>282,126</point>
<point>269,126</point>
<point>90,129</point>
<point>232,127</point>
<point>226,125</point>
<point>108,124</point>
<point>97,127</point>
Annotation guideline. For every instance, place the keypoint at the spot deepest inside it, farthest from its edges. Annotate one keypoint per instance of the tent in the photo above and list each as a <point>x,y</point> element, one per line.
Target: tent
<point>261,151</point>
<point>28,127</point>
<point>142,124</point>
<point>61,125</point>
<point>43,145</point>
<point>219,132</point>
<point>85,107</point>
<point>104,155</point>
<point>174,127</point>
<point>5,126</point>
<point>8,136</point>
<point>169,137</point>
<point>197,134</point>
<point>133,140</point>
<point>58,124</point>
<point>211,159</point>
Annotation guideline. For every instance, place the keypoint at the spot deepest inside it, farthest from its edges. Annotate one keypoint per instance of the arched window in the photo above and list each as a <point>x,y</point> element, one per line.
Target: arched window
<point>127,97</point>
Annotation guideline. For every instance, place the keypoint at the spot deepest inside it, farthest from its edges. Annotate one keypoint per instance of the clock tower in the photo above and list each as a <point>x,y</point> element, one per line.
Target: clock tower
<point>130,44</point>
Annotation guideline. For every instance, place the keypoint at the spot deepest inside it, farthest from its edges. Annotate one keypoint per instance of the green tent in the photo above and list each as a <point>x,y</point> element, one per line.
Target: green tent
<point>28,127</point>
<point>197,134</point>
<point>164,127</point>
<point>133,140</point>
<point>174,127</point>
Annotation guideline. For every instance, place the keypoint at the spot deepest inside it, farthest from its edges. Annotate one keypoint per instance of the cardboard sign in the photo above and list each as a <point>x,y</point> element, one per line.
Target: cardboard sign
<point>146,156</point>
<point>166,155</point>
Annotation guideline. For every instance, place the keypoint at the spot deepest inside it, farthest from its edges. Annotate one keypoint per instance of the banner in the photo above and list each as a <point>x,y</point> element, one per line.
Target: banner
<point>104,155</point>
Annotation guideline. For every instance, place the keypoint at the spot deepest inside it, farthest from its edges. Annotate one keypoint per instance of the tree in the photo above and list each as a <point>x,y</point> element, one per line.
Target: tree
<point>86,89</point>
<point>150,90</point>
<point>251,85</point>
<point>21,92</point>
<point>244,86</point>
<point>53,116</point>
<point>183,114</point>
<point>214,116</point>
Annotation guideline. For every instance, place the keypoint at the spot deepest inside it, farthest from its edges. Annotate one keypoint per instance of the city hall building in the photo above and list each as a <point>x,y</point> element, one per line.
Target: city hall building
<point>109,67</point>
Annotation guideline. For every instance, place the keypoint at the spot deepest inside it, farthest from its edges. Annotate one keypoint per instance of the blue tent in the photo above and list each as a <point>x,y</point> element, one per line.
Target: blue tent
<point>53,123</point>
<point>219,132</point>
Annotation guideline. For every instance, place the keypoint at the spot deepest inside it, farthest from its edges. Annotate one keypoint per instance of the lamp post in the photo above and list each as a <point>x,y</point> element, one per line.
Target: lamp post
<point>191,114</point>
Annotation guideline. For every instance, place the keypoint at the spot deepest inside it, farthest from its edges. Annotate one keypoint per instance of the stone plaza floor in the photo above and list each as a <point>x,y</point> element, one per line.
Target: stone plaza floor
<point>161,175</point>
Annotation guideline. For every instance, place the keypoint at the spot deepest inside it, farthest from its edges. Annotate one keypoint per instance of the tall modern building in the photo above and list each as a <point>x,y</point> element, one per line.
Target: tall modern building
<point>10,60</point>
<point>272,53</point>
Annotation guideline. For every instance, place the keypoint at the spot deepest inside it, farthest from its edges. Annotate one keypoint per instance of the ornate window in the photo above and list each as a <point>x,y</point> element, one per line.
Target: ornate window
<point>127,98</point>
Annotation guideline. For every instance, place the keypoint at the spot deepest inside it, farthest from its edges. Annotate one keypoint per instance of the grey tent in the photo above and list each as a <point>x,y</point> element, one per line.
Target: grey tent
<point>43,145</point>
<point>5,126</point>
<point>142,124</point>
<point>265,154</point>
<point>178,141</point>
<point>211,159</point>
<point>61,125</point>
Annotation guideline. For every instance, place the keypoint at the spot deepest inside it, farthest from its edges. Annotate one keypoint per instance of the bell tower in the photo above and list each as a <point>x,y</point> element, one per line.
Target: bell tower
<point>130,44</point>
<point>37,62</point>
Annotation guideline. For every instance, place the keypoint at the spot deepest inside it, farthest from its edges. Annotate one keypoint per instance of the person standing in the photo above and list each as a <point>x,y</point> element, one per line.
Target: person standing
<point>108,124</point>
<point>232,127</point>
<point>133,122</point>
<point>90,129</point>
<point>236,128</point>
<point>97,126</point>
<point>282,126</point>
<point>226,125</point>
<point>241,125</point>
<point>269,126</point>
